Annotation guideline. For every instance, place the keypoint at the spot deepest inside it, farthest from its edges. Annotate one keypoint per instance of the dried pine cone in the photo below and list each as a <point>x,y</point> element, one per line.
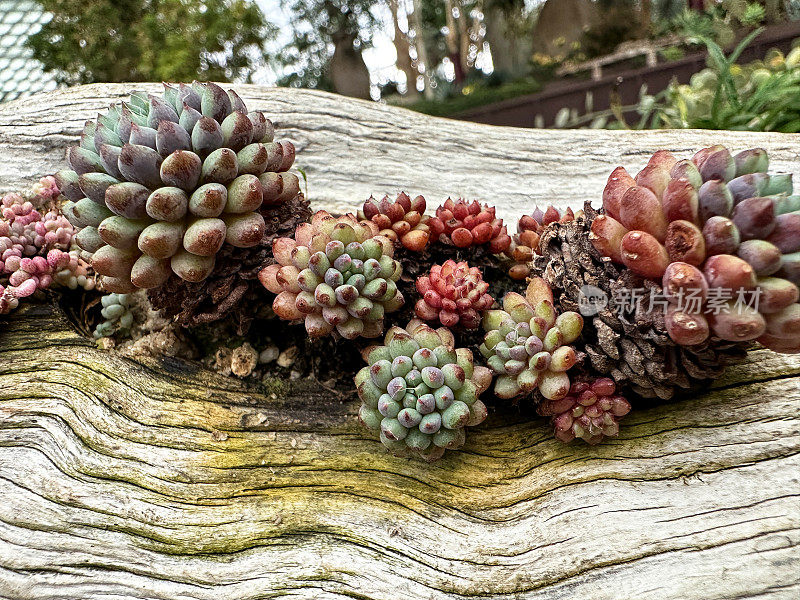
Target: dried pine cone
<point>454,294</point>
<point>525,242</point>
<point>526,343</point>
<point>465,224</point>
<point>337,273</point>
<point>591,411</point>
<point>402,221</point>
<point>420,391</point>
<point>159,185</point>
<point>623,338</point>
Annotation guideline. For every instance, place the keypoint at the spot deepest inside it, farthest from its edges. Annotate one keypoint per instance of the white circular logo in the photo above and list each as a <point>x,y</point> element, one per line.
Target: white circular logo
<point>591,300</point>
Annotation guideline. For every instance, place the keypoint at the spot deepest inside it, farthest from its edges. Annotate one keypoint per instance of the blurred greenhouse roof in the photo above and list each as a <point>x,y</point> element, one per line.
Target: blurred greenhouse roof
<point>20,74</point>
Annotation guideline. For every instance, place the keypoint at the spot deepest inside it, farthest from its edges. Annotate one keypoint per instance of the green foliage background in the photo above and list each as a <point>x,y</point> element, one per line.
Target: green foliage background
<point>152,40</point>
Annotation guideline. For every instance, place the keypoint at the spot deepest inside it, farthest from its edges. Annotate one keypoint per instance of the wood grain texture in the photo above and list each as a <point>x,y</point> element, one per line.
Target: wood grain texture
<point>161,480</point>
<point>353,148</point>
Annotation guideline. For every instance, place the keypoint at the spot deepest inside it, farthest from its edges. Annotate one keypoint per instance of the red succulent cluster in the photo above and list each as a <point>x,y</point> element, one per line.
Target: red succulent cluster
<point>525,242</point>
<point>718,224</point>
<point>591,411</point>
<point>466,224</point>
<point>454,294</point>
<point>403,220</point>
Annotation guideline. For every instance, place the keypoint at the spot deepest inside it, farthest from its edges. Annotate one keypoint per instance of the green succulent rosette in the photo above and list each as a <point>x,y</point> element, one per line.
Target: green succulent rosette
<point>158,184</point>
<point>420,391</point>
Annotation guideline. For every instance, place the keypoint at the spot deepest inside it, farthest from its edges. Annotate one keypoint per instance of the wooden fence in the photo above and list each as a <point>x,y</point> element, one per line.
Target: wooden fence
<point>571,94</point>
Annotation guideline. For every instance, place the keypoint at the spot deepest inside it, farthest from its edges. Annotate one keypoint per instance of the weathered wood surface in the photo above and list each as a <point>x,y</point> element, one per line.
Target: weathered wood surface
<point>353,148</point>
<point>162,480</point>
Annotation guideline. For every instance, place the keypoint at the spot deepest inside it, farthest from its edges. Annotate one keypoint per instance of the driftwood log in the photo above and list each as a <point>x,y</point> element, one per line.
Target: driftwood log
<point>159,479</point>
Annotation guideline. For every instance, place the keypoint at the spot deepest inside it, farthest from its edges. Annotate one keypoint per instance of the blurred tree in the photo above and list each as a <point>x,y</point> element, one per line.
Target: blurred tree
<point>509,27</point>
<point>325,50</point>
<point>151,40</point>
<point>403,47</point>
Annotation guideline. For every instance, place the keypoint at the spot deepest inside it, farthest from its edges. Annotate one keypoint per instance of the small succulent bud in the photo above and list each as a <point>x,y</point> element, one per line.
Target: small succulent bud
<point>454,294</point>
<point>786,235</point>
<point>738,323</point>
<point>764,257</point>
<point>590,411</point>
<point>685,243</point>
<point>755,218</point>
<point>721,236</point>
<point>775,294</point>
<point>606,236</point>
<point>524,344</point>
<point>332,255</point>
<point>640,210</point>
<point>402,221</point>
<point>714,200</point>
<point>467,224</point>
<point>643,254</point>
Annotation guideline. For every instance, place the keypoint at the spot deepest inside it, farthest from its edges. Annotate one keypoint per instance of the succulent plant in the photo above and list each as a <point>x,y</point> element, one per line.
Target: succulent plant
<point>525,242</point>
<point>716,224</point>
<point>420,391</point>
<point>591,411</point>
<point>465,224</point>
<point>159,184</point>
<point>232,290</point>
<point>623,337</point>
<point>117,314</point>
<point>454,294</point>
<point>402,221</point>
<point>337,273</point>
<point>76,273</point>
<point>34,246</point>
<point>527,343</point>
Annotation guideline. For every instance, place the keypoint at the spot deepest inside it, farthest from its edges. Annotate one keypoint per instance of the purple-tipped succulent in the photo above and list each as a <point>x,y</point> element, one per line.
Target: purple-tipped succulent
<point>158,184</point>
